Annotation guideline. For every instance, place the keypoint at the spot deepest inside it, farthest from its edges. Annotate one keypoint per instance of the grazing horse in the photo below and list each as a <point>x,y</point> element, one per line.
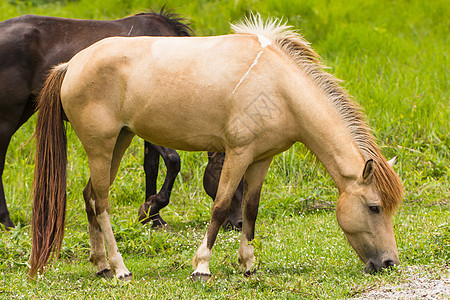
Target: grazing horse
<point>30,45</point>
<point>251,94</point>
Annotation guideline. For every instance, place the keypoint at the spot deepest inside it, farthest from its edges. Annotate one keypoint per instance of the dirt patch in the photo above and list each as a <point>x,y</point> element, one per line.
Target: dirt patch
<point>415,282</point>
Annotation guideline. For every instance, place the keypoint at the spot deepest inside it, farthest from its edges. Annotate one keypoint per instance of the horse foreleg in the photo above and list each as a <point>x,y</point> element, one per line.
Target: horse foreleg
<point>253,181</point>
<point>155,202</point>
<point>211,179</point>
<point>151,166</point>
<point>232,172</point>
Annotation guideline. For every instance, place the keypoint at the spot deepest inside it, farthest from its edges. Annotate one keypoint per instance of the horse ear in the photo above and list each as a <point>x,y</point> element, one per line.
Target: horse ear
<point>393,161</point>
<point>368,171</point>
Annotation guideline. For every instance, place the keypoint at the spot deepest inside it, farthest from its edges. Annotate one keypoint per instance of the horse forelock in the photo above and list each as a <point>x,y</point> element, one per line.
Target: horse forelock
<point>298,49</point>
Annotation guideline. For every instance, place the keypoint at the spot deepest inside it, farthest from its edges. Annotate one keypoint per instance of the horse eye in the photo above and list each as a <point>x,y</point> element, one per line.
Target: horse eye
<point>375,209</point>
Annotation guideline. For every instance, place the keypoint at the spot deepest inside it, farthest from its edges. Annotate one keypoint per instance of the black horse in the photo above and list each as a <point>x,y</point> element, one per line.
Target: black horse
<point>30,45</point>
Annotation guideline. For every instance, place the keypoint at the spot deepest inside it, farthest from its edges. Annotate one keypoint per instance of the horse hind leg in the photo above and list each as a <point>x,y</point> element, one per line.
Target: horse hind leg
<point>14,111</point>
<point>253,181</point>
<point>157,201</point>
<point>5,219</point>
<point>104,162</point>
<point>98,252</point>
<point>16,106</point>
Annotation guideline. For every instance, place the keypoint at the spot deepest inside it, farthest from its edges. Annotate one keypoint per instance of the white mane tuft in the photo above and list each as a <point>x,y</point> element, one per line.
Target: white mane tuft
<point>267,32</point>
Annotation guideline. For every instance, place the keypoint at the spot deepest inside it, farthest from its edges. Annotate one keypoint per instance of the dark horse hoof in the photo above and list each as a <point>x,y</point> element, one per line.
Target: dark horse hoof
<point>6,221</point>
<point>202,277</point>
<point>106,273</point>
<point>145,216</point>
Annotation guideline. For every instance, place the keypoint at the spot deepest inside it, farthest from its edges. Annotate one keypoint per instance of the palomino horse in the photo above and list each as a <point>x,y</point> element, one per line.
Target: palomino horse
<point>30,45</point>
<point>252,95</point>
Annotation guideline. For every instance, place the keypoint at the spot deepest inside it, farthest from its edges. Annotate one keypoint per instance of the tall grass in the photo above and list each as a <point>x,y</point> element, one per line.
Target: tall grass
<point>393,58</point>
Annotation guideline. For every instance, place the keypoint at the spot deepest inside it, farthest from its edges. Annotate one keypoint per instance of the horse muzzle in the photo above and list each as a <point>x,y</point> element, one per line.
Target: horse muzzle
<point>374,266</point>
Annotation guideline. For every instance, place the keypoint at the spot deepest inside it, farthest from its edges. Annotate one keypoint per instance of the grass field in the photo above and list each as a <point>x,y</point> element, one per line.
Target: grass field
<point>393,57</point>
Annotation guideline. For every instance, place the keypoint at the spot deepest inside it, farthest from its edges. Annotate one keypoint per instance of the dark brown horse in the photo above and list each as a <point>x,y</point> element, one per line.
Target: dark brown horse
<point>30,45</point>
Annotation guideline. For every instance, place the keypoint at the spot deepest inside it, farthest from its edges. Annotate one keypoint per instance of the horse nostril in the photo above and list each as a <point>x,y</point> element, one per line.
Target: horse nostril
<point>388,263</point>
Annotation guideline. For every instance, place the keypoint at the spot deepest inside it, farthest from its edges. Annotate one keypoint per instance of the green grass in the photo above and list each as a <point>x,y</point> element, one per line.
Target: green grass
<point>393,57</point>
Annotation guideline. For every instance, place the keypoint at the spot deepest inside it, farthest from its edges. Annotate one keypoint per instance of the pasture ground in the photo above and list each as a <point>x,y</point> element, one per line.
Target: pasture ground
<point>393,57</point>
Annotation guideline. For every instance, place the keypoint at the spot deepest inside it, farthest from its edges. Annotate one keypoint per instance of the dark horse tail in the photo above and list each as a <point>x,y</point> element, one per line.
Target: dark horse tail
<point>49,185</point>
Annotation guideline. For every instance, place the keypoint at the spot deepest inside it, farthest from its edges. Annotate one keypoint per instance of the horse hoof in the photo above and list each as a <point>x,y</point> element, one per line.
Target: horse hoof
<point>6,221</point>
<point>202,277</point>
<point>249,273</point>
<point>106,273</point>
<point>125,277</point>
<point>144,218</point>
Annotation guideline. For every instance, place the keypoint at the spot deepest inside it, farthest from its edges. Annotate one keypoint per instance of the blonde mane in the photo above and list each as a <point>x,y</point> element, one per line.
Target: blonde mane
<point>299,51</point>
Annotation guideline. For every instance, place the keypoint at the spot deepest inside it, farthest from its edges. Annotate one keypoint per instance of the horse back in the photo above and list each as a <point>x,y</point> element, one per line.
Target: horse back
<point>32,44</point>
<point>204,86</point>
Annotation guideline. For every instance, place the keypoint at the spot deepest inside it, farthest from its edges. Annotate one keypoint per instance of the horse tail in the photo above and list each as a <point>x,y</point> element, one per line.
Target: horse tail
<point>49,184</point>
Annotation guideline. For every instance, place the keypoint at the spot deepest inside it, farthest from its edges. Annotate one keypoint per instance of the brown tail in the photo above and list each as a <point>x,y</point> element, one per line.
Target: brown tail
<point>49,185</point>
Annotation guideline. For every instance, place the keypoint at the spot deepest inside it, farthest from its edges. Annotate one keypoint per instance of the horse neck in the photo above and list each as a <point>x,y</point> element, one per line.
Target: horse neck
<point>324,132</point>
<point>151,24</point>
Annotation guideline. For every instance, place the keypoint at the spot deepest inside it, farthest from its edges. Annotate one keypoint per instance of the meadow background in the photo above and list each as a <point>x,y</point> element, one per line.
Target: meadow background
<point>393,57</point>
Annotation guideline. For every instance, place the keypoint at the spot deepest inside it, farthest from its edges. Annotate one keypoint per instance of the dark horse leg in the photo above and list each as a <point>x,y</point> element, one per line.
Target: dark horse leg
<point>15,109</point>
<point>149,211</point>
<point>211,183</point>
<point>4,213</point>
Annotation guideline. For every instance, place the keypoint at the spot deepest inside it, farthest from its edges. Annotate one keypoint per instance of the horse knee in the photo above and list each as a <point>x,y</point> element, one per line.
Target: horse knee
<point>174,161</point>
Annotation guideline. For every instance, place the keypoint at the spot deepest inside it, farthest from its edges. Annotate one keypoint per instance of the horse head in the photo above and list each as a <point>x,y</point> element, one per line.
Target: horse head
<point>367,223</point>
